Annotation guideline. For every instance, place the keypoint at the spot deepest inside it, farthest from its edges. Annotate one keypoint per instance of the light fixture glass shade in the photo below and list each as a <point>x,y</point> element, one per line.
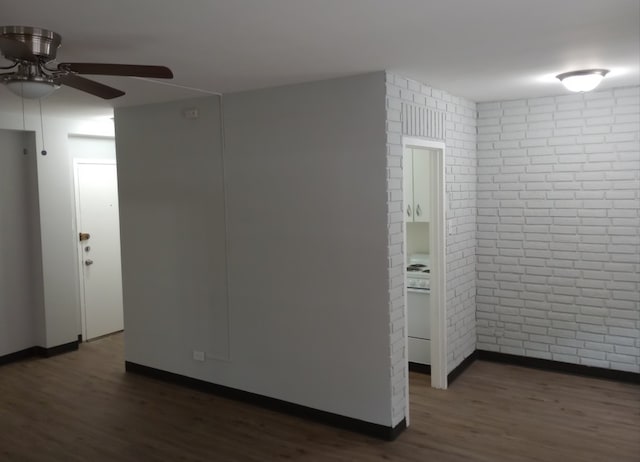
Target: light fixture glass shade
<point>581,81</point>
<point>31,89</point>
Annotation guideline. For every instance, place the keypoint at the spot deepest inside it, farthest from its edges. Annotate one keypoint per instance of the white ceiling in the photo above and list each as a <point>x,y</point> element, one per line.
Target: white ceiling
<point>480,49</point>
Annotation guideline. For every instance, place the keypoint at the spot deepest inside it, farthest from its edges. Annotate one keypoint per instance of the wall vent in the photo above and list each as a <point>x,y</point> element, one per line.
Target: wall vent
<point>423,122</point>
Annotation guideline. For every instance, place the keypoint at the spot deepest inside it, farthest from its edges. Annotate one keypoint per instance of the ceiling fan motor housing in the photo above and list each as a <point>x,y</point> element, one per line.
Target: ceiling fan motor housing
<point>43,43</point>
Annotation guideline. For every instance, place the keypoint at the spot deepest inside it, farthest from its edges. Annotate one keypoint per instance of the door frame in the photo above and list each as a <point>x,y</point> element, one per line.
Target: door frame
<point>438,252</point>
<point>76,195</point>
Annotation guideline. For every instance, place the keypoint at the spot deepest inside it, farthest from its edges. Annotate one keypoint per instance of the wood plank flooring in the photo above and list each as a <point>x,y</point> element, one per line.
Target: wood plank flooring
<point>82,406</point>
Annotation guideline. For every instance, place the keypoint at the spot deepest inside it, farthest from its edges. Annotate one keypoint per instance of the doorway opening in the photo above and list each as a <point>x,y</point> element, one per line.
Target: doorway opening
<point>98,237</point>
<point>425,257</point>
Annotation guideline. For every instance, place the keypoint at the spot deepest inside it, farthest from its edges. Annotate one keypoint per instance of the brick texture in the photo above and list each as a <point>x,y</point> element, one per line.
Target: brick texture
<point>459,135</point>
<point>558,256</point>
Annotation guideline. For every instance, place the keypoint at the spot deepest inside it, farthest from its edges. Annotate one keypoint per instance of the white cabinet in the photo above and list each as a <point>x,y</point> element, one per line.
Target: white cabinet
<point>419,326</point>
<point>421,183</point>
<point>416,180</point>
<point>419,351</point>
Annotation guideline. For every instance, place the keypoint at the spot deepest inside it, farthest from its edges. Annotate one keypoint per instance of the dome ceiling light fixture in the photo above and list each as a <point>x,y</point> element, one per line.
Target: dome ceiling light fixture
<point>582,81</point>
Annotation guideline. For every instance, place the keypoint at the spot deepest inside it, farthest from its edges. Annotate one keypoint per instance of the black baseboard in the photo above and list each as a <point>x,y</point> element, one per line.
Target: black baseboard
<point>421,368</point>
<point>38,351</point>
<point>18,355</point>
<point>567,368</point>
<point>57,350</point>
<point>460,368</point>
<point>348,423</point>
<point>394,432</point>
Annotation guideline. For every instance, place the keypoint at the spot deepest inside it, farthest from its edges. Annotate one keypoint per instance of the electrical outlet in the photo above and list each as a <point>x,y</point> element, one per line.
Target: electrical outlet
<point>191,113</point>
<point>198,355</point>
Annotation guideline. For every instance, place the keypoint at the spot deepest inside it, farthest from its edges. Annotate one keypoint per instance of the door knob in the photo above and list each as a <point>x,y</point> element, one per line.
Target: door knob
<point>88,262</point>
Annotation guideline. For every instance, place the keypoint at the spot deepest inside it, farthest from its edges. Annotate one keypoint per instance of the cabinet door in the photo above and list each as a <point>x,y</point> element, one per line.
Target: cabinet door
<point>418,314</point>
<point>421,185</point>
<point>407,183</point>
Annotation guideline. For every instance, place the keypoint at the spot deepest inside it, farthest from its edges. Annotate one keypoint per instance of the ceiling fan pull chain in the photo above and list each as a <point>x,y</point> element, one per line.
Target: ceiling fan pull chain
<point>44,151</point>
<point>24,125</point>
<point>25,151</point>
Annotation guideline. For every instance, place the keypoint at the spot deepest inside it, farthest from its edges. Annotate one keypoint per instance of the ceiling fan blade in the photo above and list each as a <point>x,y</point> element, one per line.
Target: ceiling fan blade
<point>131,70</point>
<point>89,86</point>
<point>16,50</point>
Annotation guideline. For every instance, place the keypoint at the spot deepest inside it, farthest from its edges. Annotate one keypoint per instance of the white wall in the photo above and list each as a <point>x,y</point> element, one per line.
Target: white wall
<point>558,228</point>
<point>58,234</point>
<point>307,258</point>
<point>21,305</point>
<point>92,147</point>
<point>459,134</point>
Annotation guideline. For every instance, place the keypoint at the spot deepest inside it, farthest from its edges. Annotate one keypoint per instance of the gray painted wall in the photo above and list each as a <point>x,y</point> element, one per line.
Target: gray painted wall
<point>307,210</point>
<point>305,175</point>
<point>172,234</point>
<point>21,303</point>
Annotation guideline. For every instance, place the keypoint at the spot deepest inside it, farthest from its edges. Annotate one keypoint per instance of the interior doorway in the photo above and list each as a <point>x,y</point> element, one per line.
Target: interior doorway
<point>425,248</point>
<point>97,217</point>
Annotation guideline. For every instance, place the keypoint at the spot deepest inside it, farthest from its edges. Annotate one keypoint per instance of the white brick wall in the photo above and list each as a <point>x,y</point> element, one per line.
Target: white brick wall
<point>558,255</point>
<point>460,139</point>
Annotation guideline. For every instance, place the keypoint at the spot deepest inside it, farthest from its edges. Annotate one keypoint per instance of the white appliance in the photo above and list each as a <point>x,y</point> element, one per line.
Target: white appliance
<point>419,308</point>
<point>419,272</point>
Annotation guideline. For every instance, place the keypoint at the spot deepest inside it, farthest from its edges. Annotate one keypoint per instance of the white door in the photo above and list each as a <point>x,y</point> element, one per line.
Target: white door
<point>407,183</point>
<point>101,281</point>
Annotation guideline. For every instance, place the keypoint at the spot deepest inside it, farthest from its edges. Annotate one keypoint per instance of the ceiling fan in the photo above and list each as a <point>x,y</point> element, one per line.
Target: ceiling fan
<point>34,73</point>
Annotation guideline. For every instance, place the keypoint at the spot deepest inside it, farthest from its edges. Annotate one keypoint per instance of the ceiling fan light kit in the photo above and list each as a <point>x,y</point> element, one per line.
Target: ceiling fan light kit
<point>30,89</point>
<point>583,80</point>
<point>33,52</point>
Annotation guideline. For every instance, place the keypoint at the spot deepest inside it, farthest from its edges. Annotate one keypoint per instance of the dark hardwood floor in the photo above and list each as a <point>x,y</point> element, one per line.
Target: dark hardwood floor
<point>82,406</point>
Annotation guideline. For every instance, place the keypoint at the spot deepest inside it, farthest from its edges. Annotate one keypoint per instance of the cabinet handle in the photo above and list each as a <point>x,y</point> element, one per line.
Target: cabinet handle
<point>408,210</point>
<point>418,210</point>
